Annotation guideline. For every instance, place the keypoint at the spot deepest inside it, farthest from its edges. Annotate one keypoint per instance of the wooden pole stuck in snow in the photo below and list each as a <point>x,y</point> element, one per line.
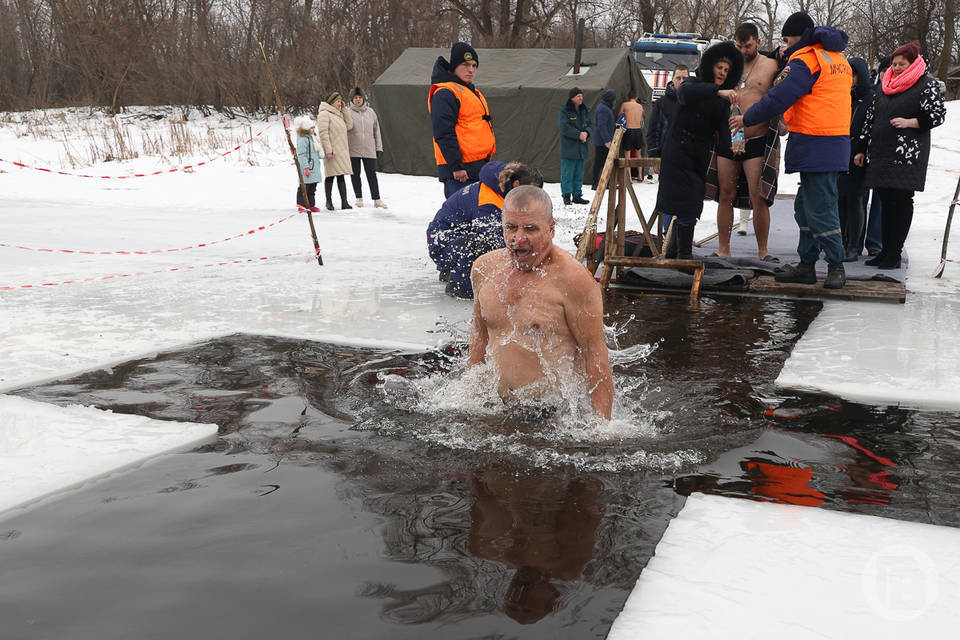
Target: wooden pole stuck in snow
<point>946,233</point>
<point>293,151</point>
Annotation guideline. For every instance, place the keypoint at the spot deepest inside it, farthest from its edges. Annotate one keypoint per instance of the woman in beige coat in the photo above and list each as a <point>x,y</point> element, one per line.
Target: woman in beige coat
<point>333,122</point>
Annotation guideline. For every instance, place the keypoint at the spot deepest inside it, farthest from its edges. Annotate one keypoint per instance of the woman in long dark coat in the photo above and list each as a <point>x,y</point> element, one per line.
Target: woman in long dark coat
<point>701,121</point>
<point>895,145</point>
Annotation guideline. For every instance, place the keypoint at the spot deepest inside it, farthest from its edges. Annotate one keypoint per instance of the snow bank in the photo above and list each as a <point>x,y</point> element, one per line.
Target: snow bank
<point>45,449</point>
<point>731,568</point>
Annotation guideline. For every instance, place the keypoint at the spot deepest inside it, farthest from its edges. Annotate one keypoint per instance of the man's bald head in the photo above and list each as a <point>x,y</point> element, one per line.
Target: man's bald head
<point>529,198</point>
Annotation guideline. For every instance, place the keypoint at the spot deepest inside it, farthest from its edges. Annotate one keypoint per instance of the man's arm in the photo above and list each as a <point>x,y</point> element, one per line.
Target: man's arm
<point>584,315</point>
<point>478,331</point>
<point>444,113</point>
<point>797,83</point>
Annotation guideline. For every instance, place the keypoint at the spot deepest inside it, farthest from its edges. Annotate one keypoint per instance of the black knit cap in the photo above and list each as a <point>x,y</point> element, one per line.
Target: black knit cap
<point>796,24</point>
<point>573,92</point>
<point>462,52</point>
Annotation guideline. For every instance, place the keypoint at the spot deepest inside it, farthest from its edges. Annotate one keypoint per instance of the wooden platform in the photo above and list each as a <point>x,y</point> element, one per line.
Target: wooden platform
<point>765,285</point>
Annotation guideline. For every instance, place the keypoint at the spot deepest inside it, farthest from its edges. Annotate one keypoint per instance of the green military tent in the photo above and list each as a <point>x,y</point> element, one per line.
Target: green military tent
<point>525,89</point>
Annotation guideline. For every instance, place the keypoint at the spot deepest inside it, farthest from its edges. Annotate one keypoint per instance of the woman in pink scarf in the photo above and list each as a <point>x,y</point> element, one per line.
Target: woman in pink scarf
<point>894,145</point>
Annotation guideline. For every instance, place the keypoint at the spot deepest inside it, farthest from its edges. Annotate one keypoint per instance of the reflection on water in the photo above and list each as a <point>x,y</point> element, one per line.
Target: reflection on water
<point>393,495</point>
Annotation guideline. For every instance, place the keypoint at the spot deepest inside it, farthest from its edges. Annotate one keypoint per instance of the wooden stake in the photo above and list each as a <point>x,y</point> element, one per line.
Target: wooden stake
<point>946,233</point>
<point>293,150</point>
<point>587,240</point>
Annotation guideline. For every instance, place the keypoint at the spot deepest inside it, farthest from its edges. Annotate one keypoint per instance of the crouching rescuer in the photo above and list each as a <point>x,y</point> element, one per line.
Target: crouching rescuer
<point>469,223</point>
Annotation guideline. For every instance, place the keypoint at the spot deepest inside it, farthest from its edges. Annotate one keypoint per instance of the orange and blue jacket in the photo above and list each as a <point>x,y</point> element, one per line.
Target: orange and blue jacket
<point>813,95</point>
<point>462,130</point>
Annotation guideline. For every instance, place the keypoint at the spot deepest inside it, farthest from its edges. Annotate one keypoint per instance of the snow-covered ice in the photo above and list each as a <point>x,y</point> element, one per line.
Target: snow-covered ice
<point>46,449</point>
<point>728,568</point>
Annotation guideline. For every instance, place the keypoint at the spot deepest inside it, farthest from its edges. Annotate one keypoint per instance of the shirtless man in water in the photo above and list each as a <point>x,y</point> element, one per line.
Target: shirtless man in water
<point>536,309</point>
<point>758,75</point>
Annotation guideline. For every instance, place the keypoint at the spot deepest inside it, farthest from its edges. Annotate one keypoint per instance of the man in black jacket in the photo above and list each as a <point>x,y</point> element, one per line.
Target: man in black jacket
<point>663,111</point>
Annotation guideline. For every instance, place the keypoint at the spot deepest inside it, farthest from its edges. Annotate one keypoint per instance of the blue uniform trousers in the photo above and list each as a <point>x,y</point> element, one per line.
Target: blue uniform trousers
<point>815,210</point>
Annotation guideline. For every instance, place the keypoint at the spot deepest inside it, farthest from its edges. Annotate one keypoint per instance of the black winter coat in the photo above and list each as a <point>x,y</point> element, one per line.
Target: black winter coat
<point>700,121</point>
<point>897,158</point>
<point>852,182</point>
<point>662,114</point>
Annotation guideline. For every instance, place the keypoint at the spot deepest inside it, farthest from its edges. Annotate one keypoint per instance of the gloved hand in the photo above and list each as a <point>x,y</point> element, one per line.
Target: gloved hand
<point>306,171</point>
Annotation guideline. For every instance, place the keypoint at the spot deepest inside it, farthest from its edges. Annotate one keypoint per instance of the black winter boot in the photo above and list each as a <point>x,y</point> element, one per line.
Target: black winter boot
<point>330,206</point>
<point>802,273</point>
<point>670,250</point>
<point>836,277</point>
<point>566,198</point>
<point>579,200</point>
<point>684,242</point>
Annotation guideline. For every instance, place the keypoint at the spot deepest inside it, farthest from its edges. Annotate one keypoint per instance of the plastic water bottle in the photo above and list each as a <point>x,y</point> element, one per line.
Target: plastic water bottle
<point>737,142</point>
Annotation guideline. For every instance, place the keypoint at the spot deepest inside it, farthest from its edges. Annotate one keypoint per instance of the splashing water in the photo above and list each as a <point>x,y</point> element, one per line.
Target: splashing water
<point>549,423</point>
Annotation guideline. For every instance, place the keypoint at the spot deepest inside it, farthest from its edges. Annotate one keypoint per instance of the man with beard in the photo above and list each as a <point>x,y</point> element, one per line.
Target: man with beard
<point>537,312</point>
<point>758,75</point>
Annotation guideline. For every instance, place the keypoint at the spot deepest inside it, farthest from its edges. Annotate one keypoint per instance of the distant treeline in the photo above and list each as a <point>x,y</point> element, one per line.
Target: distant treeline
<point>111,53</point>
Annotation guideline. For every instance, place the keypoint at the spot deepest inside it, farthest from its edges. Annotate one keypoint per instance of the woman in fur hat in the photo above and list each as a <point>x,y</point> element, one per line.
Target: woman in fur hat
<point>333,122</point>
<point>700,122</point>
<point>309,153</point>
<point>894,145</point>
<point>365,144</point>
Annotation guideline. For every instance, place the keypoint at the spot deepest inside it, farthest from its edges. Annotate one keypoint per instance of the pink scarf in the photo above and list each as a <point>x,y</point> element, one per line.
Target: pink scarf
<point>898,84</point>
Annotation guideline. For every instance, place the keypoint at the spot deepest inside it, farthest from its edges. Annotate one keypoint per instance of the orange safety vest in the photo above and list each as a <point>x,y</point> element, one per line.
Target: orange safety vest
<point>825,111</point>
<point>474,133</point>
<point>489,196</point>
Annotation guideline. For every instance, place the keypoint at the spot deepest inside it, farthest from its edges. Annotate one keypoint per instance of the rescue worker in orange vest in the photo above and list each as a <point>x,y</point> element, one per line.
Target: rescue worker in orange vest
<point>813,95</point>
<point>469,223</point>
<point>463,139</point>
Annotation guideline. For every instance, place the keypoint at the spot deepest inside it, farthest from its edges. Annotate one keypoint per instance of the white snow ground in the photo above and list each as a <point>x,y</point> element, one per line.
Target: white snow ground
<point>379,288</point>
<point>750,570</point>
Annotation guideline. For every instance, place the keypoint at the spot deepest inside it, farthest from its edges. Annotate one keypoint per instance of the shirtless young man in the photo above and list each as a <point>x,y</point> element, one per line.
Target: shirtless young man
<point>536,310</point>
<point>759,73</point>
<point>632,143</point>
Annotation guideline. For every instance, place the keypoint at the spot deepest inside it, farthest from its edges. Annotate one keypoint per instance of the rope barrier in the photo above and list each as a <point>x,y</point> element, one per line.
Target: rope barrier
<point>152,251</point>
<point>311,256</point>
<point>142,175</point>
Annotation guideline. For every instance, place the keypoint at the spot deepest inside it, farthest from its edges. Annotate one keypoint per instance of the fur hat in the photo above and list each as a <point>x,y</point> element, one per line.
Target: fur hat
<point>714,54</point>
<point>303,123</point>
<point>796,24</point>
<point>333,98</point>
<point>460,53</point>
<point>910,51</point>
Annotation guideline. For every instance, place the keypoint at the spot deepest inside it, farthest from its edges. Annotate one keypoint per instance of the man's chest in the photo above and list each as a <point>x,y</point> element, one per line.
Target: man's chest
<point>526,308</point>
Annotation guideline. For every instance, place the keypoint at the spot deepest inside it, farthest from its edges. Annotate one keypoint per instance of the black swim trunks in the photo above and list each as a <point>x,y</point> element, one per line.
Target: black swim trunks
<point>755,148</point>
<point>632,140</point>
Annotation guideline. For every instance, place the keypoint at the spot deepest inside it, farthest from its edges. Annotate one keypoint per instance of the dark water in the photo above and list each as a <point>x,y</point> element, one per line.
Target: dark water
<point>330,507</point>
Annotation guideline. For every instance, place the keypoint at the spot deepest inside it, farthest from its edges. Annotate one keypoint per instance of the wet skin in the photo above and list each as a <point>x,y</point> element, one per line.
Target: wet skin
<point>538,314</point>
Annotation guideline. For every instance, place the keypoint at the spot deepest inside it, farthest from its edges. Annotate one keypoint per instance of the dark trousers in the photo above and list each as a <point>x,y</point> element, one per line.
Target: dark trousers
<point>815,210</point>
<point>451,186</point>
<point>599,159</point>
<point>341,187</point>
<point>897,215</point>
<point>311,194</point>
<point>871,236</point>
<point>369,168</point>
<point>850,206</point>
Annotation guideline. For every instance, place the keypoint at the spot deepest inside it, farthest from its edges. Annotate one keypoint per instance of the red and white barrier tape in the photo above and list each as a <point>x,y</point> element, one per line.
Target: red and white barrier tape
<point>142,175</point>
<point>310,256</point>
<point>151,251</point>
